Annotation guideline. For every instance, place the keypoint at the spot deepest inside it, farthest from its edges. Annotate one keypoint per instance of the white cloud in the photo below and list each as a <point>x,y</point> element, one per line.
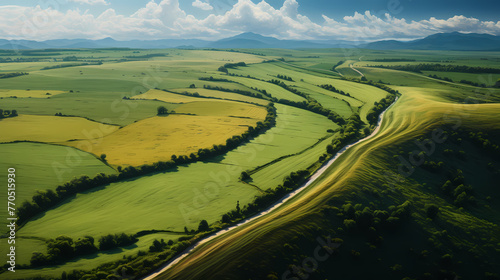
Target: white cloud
<point>91,2</point>
<point>202,5</point>
<point>165,19</point>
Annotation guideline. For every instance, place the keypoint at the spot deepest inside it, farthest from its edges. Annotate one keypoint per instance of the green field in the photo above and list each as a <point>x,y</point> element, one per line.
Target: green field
<point>162,195</point>
<point>42,166</point>
<point>110,118</point>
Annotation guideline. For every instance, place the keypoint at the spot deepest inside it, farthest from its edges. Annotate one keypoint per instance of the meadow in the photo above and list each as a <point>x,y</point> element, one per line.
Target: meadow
<point>110,108</point>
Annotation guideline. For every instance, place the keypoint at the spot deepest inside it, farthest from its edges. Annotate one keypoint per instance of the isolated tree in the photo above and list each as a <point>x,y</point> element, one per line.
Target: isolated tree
<point>162,110</point>
<point>203,226</point>
<point>223,69</point>
<point>192,86</point>
<point>245,176</point>
<point>103,157</point>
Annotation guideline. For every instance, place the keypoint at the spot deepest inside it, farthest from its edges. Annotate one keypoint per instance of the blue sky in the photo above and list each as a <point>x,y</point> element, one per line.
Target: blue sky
<point>214,19</point>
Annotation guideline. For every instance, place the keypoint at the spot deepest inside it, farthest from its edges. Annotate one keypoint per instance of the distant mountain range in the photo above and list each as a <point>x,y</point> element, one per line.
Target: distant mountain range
<point>454,41</point>
<point>440,41</point>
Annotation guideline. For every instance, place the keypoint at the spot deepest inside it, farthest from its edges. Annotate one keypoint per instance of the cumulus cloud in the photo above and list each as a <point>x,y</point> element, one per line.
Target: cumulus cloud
<point>202,5</point>
<point>91,2</point>
<point>166,19</point>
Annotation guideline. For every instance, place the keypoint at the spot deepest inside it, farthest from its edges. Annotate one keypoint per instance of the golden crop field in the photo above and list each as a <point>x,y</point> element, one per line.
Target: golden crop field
<point>158,138</point>
<point>51,129</point>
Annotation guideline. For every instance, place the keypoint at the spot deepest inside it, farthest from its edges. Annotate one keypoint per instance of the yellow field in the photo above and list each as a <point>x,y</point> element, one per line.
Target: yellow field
<point>158,138</point>
<point>165,96</point>
<point>222,108</point>
<point>20,93</point>
<point>51,129</point>
<point>223,95</point>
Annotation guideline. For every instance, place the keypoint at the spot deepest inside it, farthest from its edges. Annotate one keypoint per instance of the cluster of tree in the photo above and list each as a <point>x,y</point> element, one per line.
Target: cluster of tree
<point>70,58</point>
<point>497,84</point>
<point>418,68</point>
<point>337,65</point>
<point>238,91</point>
<point>8,113</point>
<point>433,166</point>
<point>12,75</point>
<point>112,241</point>
<point>59,114</point>
<point>70,65</point>
<point>159,246</point>
<point>230,65</point>
<point>131,266</point>
<point>348,133</point>
<point>43,200</point>
<point>162,111</point>
<point>284,77</point>
<point>234,65</point>
<point>446,79</point>
<point>223,69</point>
<point>456,189</point>
<point>378,108</point>
<point>480,139</point>
<point>332,88</point>
<point>363,219</point>
<point>212,79</point>
<point>63,248</point>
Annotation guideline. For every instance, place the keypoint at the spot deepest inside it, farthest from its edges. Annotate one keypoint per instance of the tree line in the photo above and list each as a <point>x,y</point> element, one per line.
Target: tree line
<point>238,91</point>
<point>70,65</point>
<point>284,77</point>
<point>378,108</point>
<point>230,66</point>
<point>12,75</point>
<point>44,200</point>
<point>64,248</point>
<point>333,89</point>
<point>418,68</point>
